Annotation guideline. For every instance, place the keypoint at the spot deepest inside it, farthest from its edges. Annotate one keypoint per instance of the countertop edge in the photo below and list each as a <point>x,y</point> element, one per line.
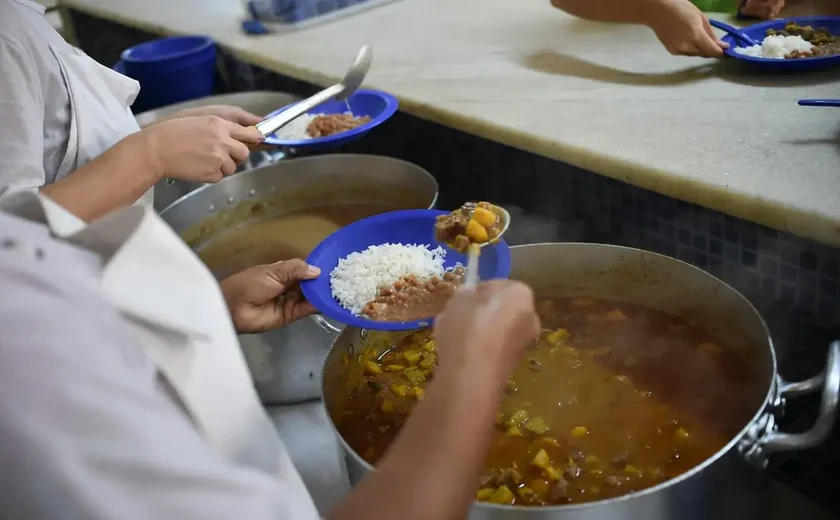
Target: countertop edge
<point>772,214</point>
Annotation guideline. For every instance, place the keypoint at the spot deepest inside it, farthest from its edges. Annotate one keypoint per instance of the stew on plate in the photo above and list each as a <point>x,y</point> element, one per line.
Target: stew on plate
<point>412,299</point>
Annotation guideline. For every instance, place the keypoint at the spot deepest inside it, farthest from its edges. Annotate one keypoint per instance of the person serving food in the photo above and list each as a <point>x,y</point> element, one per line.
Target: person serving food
<point>124,393</point>
<point>66,128</point>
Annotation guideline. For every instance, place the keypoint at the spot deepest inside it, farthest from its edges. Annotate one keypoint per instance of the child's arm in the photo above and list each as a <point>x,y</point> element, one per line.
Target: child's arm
<point>618,11</point>
<point>681,27</point>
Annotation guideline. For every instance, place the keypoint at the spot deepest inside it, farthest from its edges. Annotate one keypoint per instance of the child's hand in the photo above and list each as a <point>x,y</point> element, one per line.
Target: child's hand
<point>684,30</point>
<point>764,9</point>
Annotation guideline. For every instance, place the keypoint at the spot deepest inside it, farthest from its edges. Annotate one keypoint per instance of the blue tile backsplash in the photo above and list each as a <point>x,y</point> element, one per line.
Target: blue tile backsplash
<point>791,280</point>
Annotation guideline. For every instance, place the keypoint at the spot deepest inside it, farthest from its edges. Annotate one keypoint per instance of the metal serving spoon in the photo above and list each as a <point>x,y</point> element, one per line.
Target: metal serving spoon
<point>471,277</point>
<point>341,90</point>
<point>345,88</point>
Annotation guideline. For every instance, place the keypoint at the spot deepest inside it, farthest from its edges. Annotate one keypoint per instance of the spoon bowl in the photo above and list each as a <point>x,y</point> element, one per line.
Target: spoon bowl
<point>504,219</point>
<point>356,73</point>
<point>471,277</point>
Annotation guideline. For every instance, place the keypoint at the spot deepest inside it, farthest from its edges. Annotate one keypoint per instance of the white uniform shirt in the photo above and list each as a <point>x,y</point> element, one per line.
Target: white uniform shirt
<point>123,393</point>
<point>59,108</point>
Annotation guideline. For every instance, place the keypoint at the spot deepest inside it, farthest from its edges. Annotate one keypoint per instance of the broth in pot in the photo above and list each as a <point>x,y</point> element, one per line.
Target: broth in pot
<point>612,399</point>
<point>279,237</point>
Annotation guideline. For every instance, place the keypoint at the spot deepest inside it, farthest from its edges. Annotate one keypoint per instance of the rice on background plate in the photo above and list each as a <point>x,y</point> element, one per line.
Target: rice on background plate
<point>359,276</point>
<point>776,47</point>
<point>297,129</point>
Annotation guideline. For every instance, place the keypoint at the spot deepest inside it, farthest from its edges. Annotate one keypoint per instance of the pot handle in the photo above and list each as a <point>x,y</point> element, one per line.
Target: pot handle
<point>327,326</point>
<point>829,380</point>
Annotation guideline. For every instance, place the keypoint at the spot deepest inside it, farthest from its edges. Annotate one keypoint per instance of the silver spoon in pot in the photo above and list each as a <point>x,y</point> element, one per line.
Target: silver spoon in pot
<point>471,278</point>
<point>473,252</point>
<point>499,224</point>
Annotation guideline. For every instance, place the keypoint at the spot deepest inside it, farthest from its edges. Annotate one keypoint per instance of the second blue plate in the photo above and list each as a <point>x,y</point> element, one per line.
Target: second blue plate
<point>759,31</point>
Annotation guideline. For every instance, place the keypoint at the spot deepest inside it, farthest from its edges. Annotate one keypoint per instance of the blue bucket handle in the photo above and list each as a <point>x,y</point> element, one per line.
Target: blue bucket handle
<point>120,67</point>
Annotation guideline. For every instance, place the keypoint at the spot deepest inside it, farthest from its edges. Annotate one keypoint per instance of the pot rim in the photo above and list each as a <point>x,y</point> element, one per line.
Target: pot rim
<point>336,156</point>
<point>668,483</point>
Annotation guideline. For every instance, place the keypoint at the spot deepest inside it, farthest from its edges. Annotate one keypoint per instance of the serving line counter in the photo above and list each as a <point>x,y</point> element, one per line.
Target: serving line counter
<point>605,98</point>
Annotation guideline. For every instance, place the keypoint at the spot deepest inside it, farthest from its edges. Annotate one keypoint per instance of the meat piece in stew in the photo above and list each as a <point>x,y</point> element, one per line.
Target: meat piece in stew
<point>824,43</point>
<point>473,223</point>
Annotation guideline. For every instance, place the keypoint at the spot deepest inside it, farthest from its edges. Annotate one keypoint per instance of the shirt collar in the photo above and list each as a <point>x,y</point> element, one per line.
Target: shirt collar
<point>35,6</point>
<point>148,272</point>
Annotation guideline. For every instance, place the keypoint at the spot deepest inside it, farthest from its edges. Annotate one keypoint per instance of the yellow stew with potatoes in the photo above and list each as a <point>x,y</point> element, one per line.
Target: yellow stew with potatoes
<point>613,398</point>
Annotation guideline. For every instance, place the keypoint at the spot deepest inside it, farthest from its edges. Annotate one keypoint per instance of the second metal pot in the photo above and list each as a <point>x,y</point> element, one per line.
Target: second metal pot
<point>726,485</point>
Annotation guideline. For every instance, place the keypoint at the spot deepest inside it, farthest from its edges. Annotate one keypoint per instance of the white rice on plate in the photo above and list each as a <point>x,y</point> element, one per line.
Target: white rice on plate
<point>776,47</point>
<point>357,278</point>
<point>296,130</point>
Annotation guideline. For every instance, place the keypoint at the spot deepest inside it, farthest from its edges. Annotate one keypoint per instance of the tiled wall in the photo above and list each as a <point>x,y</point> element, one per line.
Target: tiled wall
<point>793,281</point>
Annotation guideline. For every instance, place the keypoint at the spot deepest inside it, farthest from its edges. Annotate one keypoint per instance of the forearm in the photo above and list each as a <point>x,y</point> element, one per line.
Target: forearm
<point>115,179</point>
<point>433,467</point>
<point>617,11</point>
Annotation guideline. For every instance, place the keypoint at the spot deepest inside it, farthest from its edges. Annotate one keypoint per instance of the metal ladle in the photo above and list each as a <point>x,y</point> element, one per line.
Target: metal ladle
<point>471,277</point>
<point>345,88</point>
<point>341,90</point>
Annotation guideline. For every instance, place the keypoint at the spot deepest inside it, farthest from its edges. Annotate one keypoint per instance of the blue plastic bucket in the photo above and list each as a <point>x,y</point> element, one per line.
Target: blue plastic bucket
<point>170,70</point>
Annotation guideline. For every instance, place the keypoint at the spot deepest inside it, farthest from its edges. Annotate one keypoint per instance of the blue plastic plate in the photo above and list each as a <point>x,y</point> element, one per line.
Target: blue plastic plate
<point>379,106</point>
<point>759,30</point>
<point>413,226</point>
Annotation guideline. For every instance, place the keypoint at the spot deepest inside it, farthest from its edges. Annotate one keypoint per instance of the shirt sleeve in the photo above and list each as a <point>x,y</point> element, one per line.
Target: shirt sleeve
<point>21,120</point>
<point>86,431</point>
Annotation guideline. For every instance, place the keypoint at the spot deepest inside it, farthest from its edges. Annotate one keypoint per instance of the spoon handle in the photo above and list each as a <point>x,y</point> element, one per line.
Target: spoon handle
<point>819,102</point>
<point>725,27</point>
<point>272,124</point>
<point>471,279</point>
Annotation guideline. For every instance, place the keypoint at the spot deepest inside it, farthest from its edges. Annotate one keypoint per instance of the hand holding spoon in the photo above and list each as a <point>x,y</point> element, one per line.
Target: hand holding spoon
<point>345,88</point>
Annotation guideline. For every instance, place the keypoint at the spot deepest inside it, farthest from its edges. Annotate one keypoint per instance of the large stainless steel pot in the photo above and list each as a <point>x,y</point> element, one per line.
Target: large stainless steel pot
<point>286,363</point>
<point>725,486</point>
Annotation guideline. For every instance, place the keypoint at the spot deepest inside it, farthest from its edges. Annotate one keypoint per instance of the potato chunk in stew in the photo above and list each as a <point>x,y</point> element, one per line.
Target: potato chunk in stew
<point>473,223</point>
<point>598,408</point>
